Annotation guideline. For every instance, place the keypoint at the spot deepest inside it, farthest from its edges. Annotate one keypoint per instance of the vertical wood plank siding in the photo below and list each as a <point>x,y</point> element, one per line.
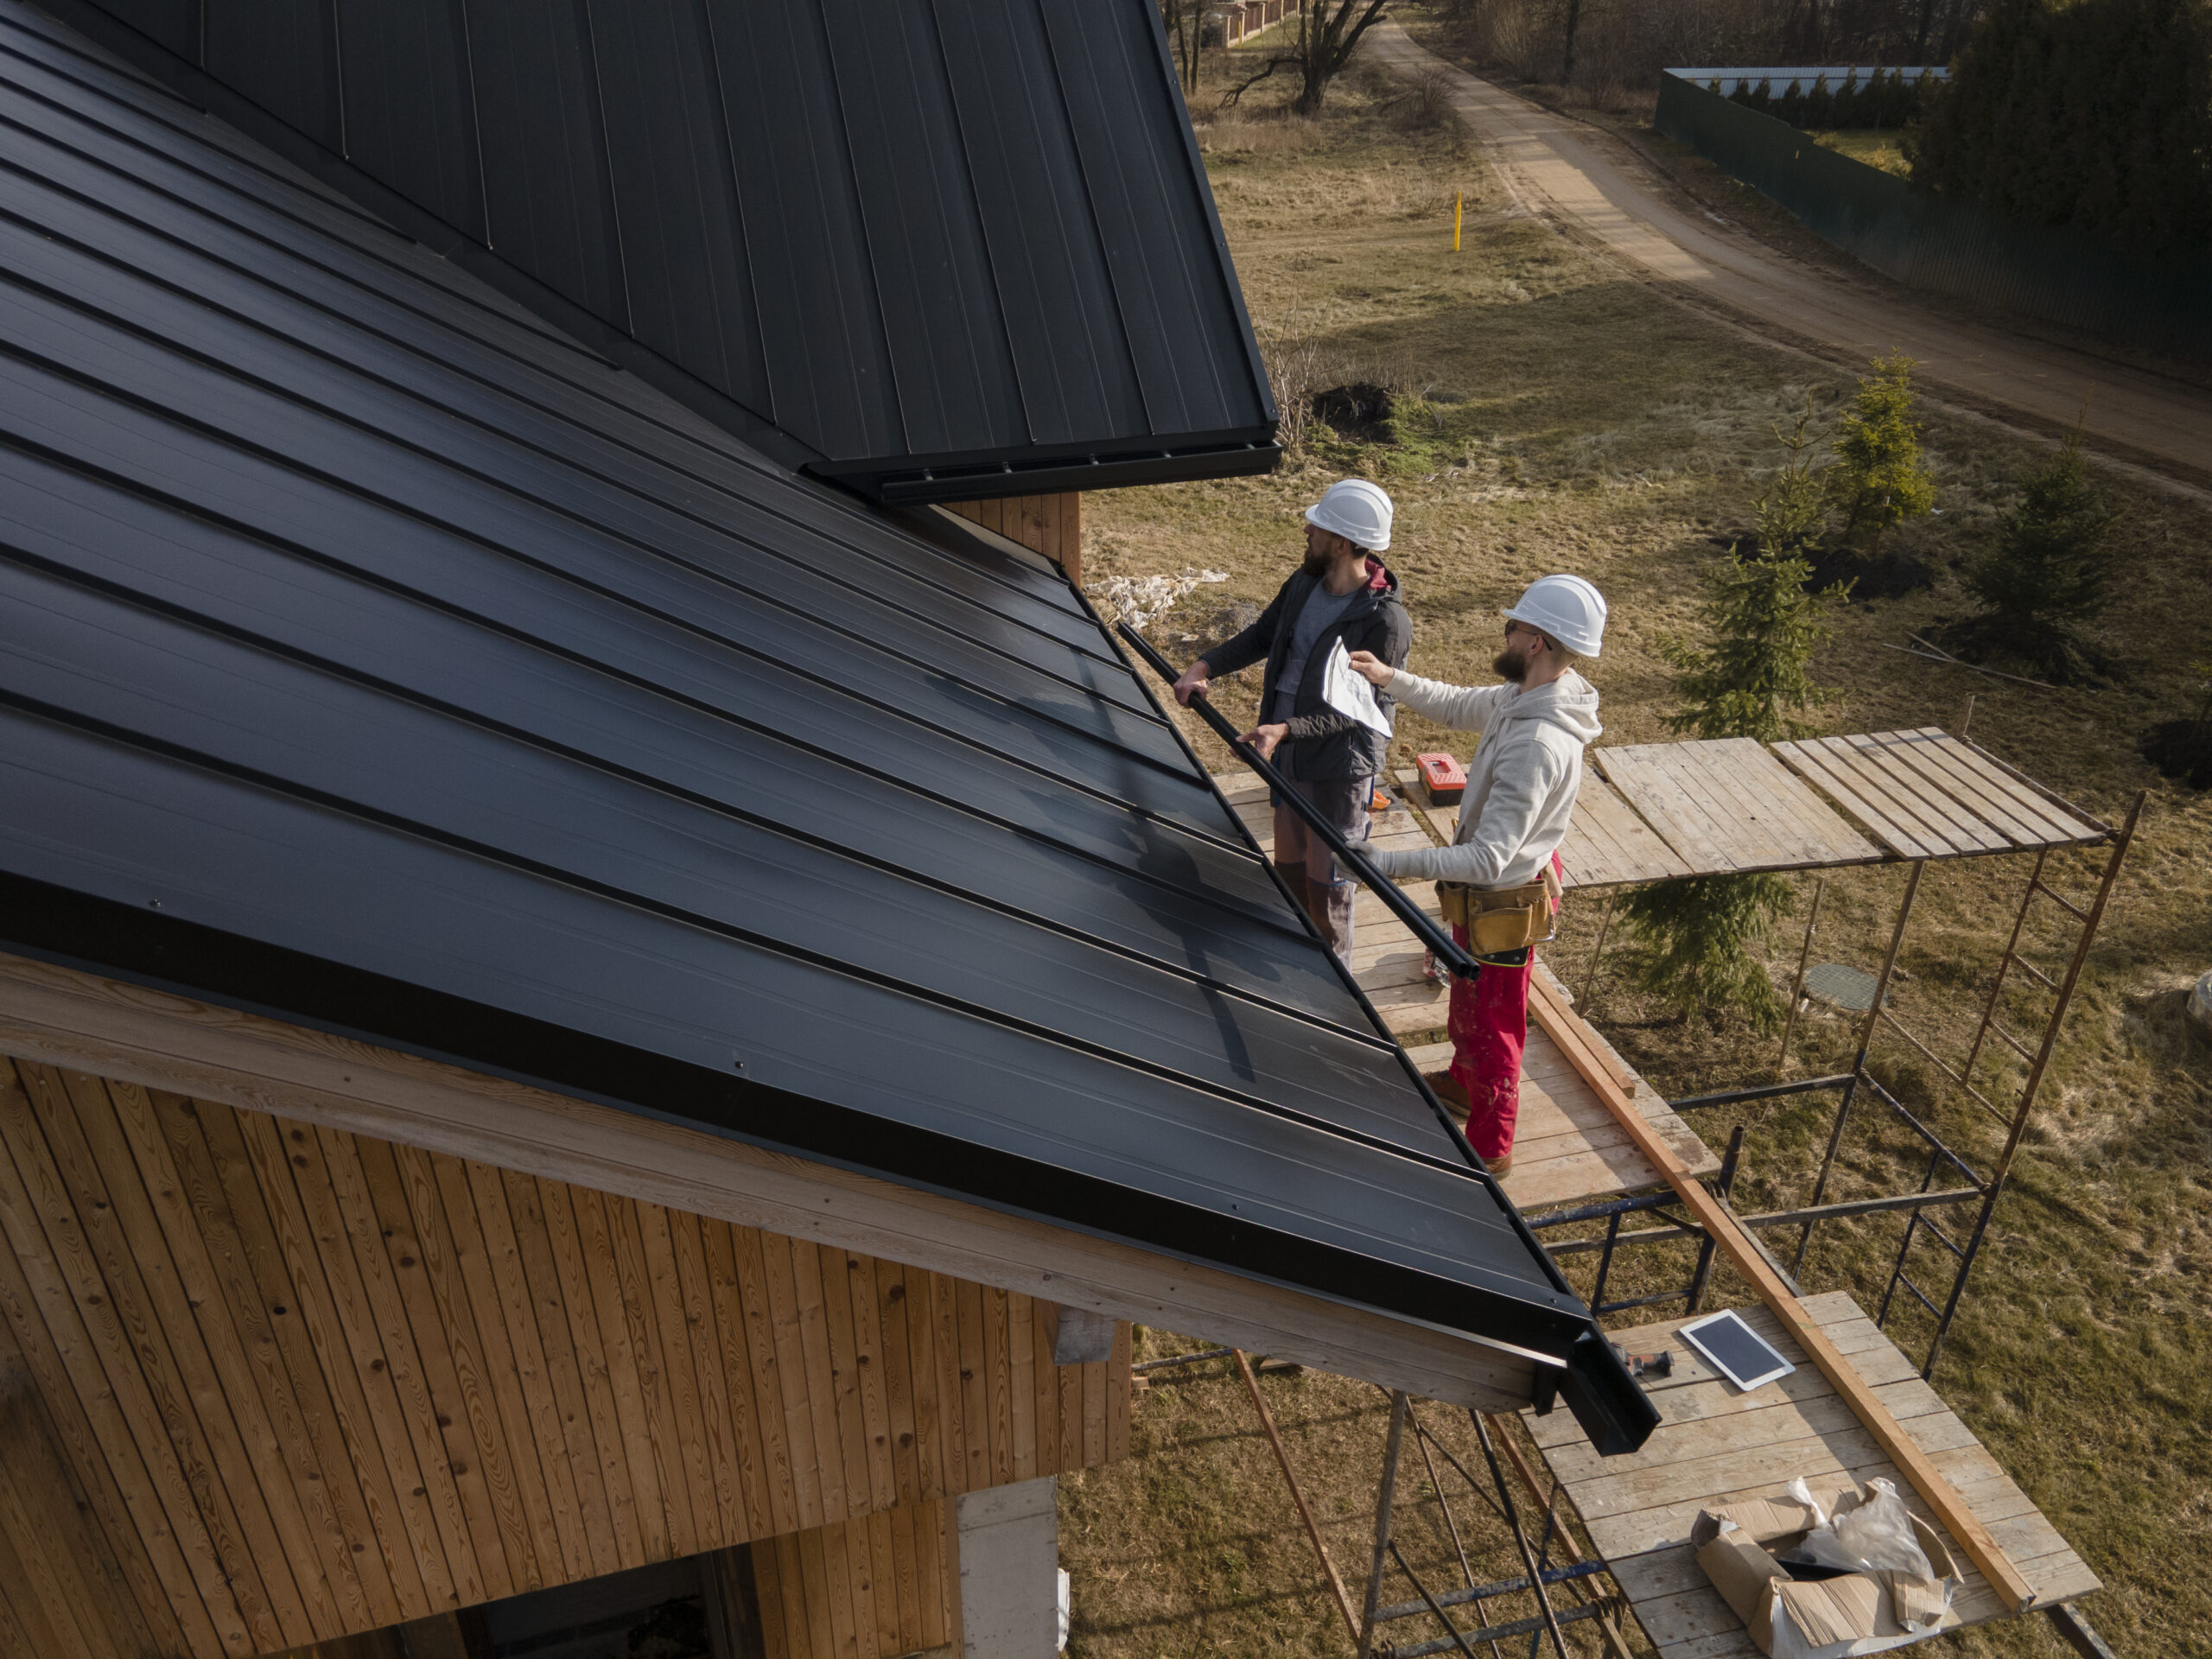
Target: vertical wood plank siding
<point>1051,524</point>
<point>265,1386</point>
<point>878,1587</point>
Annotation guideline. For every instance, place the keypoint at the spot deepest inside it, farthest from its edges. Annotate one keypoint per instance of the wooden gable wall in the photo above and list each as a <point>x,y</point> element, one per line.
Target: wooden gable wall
<point>1051,524</point>
<point>264,1385</point>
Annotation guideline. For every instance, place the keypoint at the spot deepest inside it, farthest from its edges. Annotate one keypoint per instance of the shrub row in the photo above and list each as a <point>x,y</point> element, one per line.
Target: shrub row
<point>1881,100</point>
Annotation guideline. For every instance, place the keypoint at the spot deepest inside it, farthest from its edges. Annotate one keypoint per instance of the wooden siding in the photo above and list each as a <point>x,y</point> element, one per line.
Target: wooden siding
<point>1051,524</point>
<point>879,1587</point>
<point>282,1384</point>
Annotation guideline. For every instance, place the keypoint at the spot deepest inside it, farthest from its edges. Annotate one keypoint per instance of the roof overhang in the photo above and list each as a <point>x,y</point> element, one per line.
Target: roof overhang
<point>159,1038</point>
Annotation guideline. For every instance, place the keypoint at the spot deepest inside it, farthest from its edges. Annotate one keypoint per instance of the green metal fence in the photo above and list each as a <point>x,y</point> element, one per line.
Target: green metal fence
<point>1945,246</point>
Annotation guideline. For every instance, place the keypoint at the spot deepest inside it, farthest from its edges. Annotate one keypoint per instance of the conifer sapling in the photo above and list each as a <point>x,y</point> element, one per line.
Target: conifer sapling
<point>1763,626</point>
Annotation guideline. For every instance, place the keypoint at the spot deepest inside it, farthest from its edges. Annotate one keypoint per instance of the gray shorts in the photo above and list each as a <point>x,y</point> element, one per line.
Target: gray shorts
<point>1344,802</point>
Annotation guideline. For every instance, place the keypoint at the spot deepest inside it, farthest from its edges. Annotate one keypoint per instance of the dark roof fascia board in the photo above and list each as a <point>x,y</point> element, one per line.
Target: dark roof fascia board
<point>188,82</point>
<point>1099,472</point>
<point>112,940</point>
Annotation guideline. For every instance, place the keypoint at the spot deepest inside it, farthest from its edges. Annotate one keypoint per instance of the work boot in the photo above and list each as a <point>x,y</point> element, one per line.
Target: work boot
<point>1449,1090</point>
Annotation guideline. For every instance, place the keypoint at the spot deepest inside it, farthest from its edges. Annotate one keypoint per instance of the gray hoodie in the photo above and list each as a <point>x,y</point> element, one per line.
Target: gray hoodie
<point>1520,784</point>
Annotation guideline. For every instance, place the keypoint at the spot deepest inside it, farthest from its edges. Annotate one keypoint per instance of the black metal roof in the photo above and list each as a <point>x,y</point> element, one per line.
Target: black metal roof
<point>936,248</point>
<point>373,656</point>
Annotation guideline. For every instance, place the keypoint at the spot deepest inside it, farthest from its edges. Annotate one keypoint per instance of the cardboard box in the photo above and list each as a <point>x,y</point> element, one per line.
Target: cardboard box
<point>1832,1618</point>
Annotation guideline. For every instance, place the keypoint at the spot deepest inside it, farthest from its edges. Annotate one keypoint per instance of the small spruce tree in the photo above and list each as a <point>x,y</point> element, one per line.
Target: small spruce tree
<point>1877,478</point>
<point>2044,579</point>
<point>1749,681</point>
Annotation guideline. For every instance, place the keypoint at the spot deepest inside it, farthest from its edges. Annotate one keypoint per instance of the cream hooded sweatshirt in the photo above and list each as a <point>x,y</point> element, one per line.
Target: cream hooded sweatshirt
<point>1520,784</point>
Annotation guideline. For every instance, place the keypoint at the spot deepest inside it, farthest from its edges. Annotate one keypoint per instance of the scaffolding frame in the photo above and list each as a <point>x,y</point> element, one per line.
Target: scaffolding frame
<point>1973,1186</point>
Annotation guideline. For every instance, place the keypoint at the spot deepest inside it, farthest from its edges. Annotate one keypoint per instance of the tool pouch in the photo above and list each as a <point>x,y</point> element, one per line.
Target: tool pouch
<point>1500,919</point>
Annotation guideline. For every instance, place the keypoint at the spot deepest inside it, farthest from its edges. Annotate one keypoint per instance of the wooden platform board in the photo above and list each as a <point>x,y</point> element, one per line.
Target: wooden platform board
<point>1567,1148</point>
<point>1718,1445</point>
<point>1924,794</point>
<point>1606,845</point>
<point>1728,807</point>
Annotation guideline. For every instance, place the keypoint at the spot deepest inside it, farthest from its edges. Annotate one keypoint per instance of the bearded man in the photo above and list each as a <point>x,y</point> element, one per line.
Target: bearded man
<point>1502,872</point>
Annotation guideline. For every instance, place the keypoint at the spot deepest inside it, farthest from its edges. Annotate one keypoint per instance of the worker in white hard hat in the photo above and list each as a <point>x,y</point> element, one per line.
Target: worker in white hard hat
<point>1499,881</point>
<point>1341,592</point>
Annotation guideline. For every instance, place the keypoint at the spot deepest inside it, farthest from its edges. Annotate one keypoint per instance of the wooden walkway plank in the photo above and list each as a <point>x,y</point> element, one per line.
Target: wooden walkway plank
<point>1811,760</point>
<point>1877,766</point>
<point>2036,820</point>
<point>1928,757</point>
<point>2026,797</point>
<point>1904,759</point>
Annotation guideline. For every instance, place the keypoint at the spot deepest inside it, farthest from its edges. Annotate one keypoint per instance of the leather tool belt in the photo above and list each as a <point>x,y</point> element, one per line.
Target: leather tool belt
<point>1499,920</point>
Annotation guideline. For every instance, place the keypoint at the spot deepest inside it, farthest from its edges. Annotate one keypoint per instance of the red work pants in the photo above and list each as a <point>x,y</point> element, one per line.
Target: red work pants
<point>1489,1027</point>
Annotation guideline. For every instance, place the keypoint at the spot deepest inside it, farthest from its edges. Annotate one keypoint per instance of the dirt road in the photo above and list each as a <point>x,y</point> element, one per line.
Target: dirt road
<point>1596,187</point>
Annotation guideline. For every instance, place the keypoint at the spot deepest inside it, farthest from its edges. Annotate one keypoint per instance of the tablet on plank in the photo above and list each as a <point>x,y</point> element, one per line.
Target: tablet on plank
<point>1737,1351</point>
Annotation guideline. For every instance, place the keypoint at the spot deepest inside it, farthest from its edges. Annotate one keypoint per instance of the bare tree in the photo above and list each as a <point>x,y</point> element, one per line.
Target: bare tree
<point>1324,46</point>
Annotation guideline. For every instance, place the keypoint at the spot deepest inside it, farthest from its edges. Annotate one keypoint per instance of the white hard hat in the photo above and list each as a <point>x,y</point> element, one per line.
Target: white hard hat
<point>1568,609</point>
<point>1356,509</point>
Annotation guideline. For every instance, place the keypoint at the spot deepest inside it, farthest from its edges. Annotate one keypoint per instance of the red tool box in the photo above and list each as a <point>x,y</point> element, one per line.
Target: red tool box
<point>1443,777</point>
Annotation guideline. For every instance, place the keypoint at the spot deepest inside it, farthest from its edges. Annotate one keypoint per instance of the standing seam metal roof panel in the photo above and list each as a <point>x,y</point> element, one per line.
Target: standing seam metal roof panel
<point>685,257</point>
<point>945,330</point>
<point>410,112</point>
<point>474,702</point>
<point>547,195</point>
<point>936,248</point>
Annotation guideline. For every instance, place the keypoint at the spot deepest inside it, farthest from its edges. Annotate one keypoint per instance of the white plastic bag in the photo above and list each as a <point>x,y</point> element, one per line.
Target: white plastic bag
<point>1803,1493</point>
<point>1878,1532</point>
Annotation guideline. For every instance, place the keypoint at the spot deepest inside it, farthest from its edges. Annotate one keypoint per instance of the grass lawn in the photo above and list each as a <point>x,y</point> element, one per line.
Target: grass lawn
<point>1551,414</point>
<point>1882,147</point>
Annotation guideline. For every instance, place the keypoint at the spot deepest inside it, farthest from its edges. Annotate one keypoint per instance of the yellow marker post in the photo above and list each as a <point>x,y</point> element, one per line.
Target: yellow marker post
<point>1458,201</point>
